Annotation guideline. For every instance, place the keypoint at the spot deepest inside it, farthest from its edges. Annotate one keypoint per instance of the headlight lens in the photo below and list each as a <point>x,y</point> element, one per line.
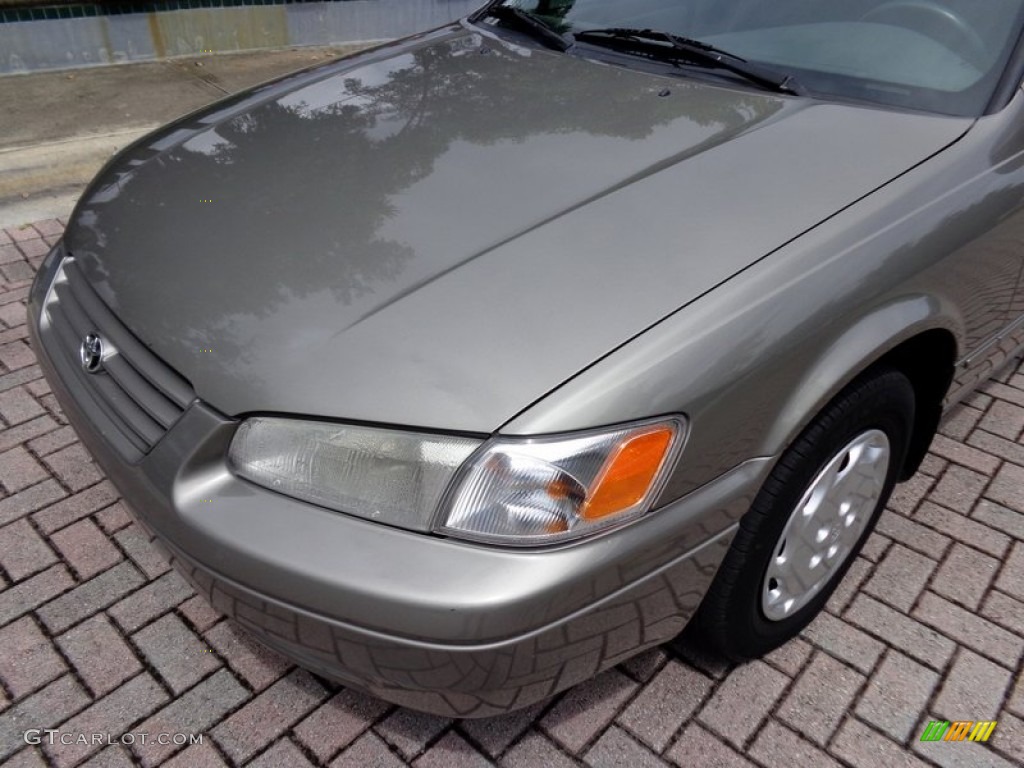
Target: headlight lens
<point>509,491</point>
<point>524,492</point>
<point>386,475</point>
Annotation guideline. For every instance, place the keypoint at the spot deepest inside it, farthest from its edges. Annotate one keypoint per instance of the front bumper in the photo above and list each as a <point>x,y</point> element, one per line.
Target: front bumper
<point>427,622</point>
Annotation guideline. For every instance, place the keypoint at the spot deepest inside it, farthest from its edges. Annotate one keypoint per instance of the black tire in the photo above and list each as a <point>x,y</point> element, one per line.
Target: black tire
<point>731,620</point>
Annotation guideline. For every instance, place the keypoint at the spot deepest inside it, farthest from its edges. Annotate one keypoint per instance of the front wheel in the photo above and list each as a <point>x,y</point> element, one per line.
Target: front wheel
<point>810,519</point>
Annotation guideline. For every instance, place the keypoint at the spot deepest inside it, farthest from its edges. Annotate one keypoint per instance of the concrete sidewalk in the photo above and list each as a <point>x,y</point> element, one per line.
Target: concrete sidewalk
<point>58,128</point>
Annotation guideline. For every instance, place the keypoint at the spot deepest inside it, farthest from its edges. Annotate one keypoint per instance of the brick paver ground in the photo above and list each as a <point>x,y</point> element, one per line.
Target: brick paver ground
<point>97,635</point>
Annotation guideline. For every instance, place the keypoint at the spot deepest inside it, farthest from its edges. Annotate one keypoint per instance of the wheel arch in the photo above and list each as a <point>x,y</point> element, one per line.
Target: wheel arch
<point>913,336</point>
<point>929,361</point>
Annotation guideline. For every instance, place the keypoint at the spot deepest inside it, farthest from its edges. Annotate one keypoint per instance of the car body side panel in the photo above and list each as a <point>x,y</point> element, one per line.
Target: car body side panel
<point>982,359</point>
<point>939,248</point>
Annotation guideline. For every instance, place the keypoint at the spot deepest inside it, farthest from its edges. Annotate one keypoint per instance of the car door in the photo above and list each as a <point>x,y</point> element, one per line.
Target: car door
<point>986,274</point>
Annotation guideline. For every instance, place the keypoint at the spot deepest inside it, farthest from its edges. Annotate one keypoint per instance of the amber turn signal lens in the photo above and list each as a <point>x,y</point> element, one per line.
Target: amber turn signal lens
<point>627,474</point>
<point>523,491</point>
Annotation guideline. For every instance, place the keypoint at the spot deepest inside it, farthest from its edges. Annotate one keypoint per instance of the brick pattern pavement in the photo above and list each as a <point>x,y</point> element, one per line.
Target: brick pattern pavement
<point>98,635</point>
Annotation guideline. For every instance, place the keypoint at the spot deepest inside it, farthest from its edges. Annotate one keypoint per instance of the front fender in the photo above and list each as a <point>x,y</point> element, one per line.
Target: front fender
<point>753,360</point>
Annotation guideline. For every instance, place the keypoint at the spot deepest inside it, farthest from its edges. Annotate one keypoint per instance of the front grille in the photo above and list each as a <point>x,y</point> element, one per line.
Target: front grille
<point>140,395</point>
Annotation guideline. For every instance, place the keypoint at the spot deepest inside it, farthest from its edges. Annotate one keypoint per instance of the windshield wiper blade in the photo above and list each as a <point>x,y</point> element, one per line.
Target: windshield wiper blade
<point>527,22</point>
<point>668,45</point>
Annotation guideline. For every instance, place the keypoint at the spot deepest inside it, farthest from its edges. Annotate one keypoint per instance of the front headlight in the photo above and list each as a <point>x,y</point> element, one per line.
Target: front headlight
<point>386,475</point>
<point>537,491</point>
<point>507,491</point>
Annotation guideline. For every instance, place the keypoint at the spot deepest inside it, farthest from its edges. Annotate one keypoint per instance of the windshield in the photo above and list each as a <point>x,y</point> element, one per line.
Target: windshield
<point>943,56</point>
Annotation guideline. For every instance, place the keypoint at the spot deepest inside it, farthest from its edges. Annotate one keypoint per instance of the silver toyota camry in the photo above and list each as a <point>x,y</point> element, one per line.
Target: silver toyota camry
<point>464,368</point>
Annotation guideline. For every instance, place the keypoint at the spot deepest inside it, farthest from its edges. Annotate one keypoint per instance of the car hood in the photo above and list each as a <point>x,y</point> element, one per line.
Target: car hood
<point>439,232</point>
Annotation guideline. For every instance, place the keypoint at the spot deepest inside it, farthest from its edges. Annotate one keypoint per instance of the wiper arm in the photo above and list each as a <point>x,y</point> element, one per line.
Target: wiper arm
<point>668,45</point>
<point>527,22</point>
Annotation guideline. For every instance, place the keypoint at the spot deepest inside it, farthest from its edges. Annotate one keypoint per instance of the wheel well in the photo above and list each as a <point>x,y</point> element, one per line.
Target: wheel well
<point>928,360</point>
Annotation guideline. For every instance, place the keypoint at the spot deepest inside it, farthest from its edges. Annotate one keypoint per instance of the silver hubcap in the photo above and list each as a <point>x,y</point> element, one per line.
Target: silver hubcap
<point>826,525</point>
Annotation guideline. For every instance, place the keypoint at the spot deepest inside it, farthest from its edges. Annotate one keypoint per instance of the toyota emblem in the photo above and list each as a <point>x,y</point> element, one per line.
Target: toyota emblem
<point>92,353</point>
